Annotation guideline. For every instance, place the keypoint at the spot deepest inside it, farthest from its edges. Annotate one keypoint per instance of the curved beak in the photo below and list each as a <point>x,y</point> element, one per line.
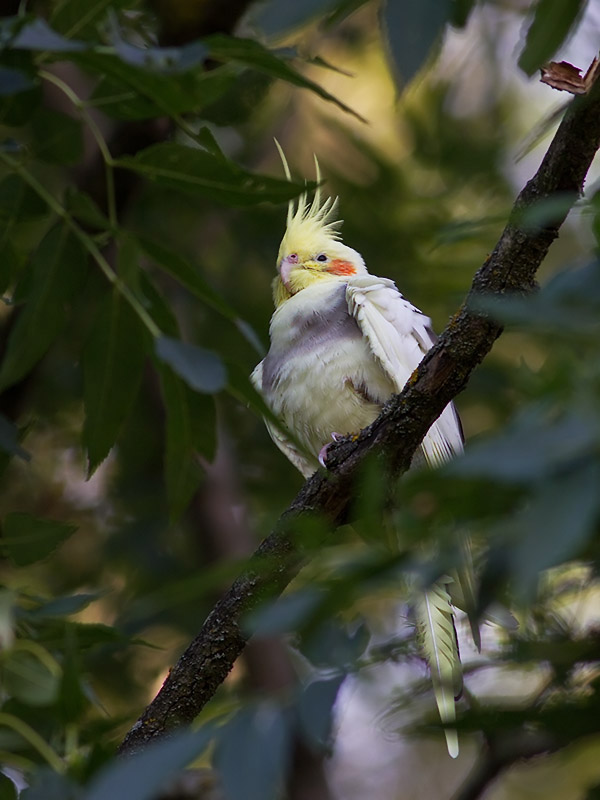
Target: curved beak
<point>285,267</point>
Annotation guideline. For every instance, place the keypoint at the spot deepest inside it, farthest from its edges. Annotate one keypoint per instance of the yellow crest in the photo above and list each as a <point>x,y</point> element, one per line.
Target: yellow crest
<point>309,222</point>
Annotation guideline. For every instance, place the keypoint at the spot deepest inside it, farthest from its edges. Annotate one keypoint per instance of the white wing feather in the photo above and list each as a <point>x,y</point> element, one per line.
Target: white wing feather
<point>399,336</point>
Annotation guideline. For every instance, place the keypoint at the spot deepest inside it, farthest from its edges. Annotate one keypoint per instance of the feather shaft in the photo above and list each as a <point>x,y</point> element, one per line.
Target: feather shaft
<point>435,625</point>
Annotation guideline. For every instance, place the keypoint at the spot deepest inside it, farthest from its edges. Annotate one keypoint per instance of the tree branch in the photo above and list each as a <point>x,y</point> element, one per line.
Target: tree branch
<point>396,433</point>
<point>501,754</point>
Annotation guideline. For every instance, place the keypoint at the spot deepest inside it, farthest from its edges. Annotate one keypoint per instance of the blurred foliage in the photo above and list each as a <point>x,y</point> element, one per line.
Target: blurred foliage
<point>139,222</point>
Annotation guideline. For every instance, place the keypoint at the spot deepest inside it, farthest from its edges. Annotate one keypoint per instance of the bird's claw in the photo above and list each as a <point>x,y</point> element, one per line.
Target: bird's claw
<point>323,454</point>
<point>336,437</point>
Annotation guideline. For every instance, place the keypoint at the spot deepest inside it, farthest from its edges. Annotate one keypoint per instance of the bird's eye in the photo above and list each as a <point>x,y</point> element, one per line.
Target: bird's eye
<point>322,257</point>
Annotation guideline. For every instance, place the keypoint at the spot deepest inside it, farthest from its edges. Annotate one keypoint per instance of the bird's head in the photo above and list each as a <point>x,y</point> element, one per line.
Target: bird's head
<point>311,249</point>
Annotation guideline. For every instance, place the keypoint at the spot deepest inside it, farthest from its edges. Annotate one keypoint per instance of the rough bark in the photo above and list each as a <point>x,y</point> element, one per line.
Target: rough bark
<point>396,434</point>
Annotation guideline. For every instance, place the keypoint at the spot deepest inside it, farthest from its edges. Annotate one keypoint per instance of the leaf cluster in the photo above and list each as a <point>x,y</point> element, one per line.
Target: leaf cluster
<point>138,225</point>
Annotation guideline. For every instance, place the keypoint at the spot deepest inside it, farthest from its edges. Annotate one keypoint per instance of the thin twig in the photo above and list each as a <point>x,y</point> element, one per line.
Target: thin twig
<point>86,240</point>
<point>81,107</point>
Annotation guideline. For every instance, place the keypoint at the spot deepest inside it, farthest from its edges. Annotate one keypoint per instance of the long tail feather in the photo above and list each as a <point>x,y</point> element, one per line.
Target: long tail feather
<point>435,624</point>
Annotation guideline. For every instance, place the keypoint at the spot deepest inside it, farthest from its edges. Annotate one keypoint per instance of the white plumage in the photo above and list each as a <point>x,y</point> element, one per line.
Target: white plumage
<point>339,349</point>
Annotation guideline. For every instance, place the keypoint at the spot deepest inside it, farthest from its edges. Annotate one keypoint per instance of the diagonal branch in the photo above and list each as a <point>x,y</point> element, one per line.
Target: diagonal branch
<point>396,433</point>
<point>499,755</point>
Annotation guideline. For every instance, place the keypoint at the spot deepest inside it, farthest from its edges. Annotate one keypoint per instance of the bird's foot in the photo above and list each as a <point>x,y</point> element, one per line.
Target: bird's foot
<point>336,437</point>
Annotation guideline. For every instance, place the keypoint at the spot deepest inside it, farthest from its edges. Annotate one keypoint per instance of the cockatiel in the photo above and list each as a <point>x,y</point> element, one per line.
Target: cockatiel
<point>343,342</point>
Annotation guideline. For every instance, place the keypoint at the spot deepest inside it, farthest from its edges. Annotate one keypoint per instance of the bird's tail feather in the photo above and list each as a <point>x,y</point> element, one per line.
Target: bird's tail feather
<point>435,624</point>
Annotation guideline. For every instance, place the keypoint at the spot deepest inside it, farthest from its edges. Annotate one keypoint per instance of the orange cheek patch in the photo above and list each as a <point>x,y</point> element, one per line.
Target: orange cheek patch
<point>340,267</point>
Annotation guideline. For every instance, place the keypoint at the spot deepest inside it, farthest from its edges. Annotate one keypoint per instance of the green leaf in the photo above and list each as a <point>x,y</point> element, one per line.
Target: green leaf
<point>241,386</point>
<point>546,212</point>
<point>200,173</point>
<point>554,525</point>
<point>315,710</point>
<point>36,34</point>
<point>286,614</point>
<point>594,205</point>
<point>49,785</point>
<point>203,413</point>
<point>27,539</point>
<point>168,60</point>
<point>207,140</point>
<point>140,776</point>
<point>28,679</point>
<point>278,16</point>
<point>82,18</point>
<point>56,273</point>
<point>9,439</point>
<point>238,102</point>
<point>72,700</point>
<point>568,305</point>
<point>552,23</point>
<point>81,206</point>
<point>182,472</point>
<point>63,606</point>
<point>201,369</point>
<point>129,92</point>
<point>7,618</point>
<point>342,10</point>
<point>13,81</point>
<point>461,11</point>
<point>18,201</point>
<point>332,644</point>
<point>21,91</point>
<point>190,418</point>
<point>16,110</point>
<point>272,62</point>
<point>10,261</point>
<point>8,790</point>
<point>412,30</point>
<point>188,275</point>
<point>137,83</point>
<point>253,753</point>
<point>113,362</point>
<point>532,447</point>
<point>158,307</point>
<point>190,429</point>
<point>57,138</point>
<point>52,634</point>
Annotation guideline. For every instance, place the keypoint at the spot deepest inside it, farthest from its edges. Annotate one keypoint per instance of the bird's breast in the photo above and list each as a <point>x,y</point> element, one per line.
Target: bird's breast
<point>320,375</point>
<point>308,333</point>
